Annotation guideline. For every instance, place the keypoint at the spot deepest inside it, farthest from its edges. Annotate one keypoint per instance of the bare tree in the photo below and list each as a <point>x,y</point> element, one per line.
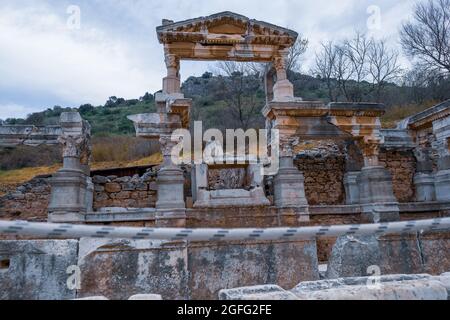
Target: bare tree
<point>427,37</point>
<point>383,66</point>
<point>344,72</point>
<point>240,83</point>
<point>296,53</point>
<point>357,52</point>
<point>325,65</point>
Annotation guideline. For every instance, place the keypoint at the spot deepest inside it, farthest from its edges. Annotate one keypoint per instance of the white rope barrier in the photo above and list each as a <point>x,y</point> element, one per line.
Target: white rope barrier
<point>50,231</point>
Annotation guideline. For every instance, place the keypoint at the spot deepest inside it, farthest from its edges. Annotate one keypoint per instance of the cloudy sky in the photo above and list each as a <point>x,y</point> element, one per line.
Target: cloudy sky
<point>45,61</point>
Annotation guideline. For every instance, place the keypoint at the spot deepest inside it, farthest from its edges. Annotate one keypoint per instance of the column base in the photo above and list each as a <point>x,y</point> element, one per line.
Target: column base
<point>283,91</point>
<point>289,186</point>
<point>68,196</point>
<point>170,189</point>
<point>376,195</point>
<point>425,189</point>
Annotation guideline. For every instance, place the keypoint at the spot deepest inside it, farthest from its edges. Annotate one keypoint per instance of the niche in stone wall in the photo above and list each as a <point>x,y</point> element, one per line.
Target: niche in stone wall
<point>227,178</point>
<point>4,264</point>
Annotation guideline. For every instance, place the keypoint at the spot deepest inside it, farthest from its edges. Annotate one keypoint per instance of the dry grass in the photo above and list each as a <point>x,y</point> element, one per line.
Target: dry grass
<point>397,113</point>
<point>11,179</point>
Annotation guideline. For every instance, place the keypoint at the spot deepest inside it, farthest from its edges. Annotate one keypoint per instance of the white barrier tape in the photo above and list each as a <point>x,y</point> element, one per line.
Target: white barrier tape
<point>48,230</point>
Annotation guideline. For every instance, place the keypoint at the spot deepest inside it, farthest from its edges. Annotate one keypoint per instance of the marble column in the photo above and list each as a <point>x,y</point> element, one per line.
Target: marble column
<point>283,89</point>
<point>172,83</point>
<point>289,183</point>
<point>170,205</point>
<point>71,193</point>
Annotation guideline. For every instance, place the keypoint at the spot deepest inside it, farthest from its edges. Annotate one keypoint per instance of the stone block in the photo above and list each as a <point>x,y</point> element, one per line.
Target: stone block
<point>408,254</point>
<point>100,180</point>
<point>266,292</point>
<point>112,187</point>
<point>402,290</point>
<point>36,270</point>
<point>145,297</point>
<point>118,269</point>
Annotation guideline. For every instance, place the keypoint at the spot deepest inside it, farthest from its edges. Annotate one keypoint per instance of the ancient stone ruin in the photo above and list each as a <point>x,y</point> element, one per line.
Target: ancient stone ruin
<point>357,172</point>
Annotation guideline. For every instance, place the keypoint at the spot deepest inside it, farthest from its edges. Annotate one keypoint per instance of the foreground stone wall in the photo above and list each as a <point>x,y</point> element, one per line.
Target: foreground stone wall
<point>118,269</point>
<point>36,270</point>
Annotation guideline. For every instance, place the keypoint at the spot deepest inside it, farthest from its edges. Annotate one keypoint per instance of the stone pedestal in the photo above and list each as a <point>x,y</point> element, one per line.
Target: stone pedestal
<point>289,186</point>
<point>283,90</point>
<point>171,208</point>
<point>376,195</point>
<point>442,184</point>
<point>68,197</point>
<point>425,189</point>
<point>351,187</point>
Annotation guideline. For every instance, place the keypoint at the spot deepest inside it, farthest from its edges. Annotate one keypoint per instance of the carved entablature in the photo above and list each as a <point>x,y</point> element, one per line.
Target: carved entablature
<point>225,36</point>
<point>426,118</point>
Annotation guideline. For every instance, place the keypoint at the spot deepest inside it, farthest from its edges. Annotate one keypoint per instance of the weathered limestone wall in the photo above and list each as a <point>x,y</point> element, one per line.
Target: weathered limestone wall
<point>402,166</point>
<point>36,270</point>
<point>118,269</point>
<point>324,177</point>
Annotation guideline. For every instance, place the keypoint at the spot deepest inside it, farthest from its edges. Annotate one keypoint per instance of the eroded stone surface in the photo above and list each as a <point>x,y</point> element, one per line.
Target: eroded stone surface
<point>409,254</point>
<point>118,269</point>
<point>267,292</point>
<point>36,270</point>
<point>219,266</point>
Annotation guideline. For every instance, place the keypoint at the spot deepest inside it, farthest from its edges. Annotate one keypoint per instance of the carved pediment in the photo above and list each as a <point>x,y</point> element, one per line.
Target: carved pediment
<point>225,28</point>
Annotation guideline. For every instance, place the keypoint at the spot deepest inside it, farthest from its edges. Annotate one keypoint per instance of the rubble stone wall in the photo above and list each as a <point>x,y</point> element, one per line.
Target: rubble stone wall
<point>127,192</point>
<point>402,166</point>
<point>323,179</point>
<point>27,202</point>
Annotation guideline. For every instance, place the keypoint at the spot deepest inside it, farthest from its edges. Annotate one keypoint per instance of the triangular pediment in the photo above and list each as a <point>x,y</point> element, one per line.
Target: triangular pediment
<point>224,23</point>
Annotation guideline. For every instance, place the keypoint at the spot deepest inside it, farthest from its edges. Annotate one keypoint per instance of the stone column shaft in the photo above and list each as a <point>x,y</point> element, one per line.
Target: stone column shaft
<point>170,205</point>
<point>283,89</point>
